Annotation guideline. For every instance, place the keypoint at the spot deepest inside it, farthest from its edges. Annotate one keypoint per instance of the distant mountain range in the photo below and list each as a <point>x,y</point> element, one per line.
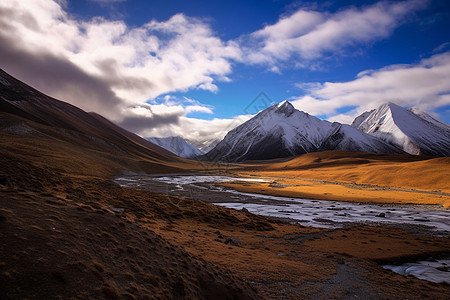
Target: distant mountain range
<point>283,131</point>
<point>177,145</point>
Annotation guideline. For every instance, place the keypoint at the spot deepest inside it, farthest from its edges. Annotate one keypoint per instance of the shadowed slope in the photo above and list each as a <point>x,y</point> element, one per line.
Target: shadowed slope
<point>52,249</point>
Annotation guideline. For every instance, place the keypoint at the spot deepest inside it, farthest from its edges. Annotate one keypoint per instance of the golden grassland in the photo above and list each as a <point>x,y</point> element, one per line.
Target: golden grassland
<point>355,177</point>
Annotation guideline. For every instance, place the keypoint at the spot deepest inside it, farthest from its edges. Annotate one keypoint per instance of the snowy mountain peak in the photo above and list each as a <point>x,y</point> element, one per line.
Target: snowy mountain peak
<point>282,131</point>
<point>414,133</point>
<point>282,103</point>
<point>177,145</point>
<point>285,107</point>
<point>391,105</point>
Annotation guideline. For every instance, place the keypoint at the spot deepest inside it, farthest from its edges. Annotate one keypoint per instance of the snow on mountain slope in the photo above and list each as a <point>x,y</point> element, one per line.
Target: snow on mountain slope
<point>176,145</point>
<point>346,138</point>
<point>414,133</point>
<point>429,118</point>
<point>282,131</point>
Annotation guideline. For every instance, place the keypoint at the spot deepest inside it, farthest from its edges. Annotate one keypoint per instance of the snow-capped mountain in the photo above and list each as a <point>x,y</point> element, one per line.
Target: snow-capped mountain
<point>282,131</point>
<point>177,145</point>
<point>412,130</point>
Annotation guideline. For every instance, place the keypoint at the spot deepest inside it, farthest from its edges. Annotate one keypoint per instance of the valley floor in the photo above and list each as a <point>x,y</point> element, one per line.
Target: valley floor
<point>88,237</point>
<point>67,236</point>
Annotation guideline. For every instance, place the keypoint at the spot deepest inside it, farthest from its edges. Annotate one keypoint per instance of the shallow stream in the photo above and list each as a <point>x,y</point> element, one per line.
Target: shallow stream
<point>316,213</point>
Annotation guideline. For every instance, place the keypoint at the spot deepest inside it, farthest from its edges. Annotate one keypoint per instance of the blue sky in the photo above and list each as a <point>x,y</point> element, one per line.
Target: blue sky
<point>191,68</point>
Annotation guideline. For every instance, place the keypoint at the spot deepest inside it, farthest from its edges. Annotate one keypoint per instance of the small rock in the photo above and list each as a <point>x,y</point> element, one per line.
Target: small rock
<point>381,215</point>
<point>244,210</point>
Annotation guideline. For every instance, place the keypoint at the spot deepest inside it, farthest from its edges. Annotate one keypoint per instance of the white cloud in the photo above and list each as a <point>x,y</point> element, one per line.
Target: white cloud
<point>198,108</point>
<point>424,85</point>
<point>441,47</point>
<point>308,35</point>
<point>137,64</point>
<point>187,104</point>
